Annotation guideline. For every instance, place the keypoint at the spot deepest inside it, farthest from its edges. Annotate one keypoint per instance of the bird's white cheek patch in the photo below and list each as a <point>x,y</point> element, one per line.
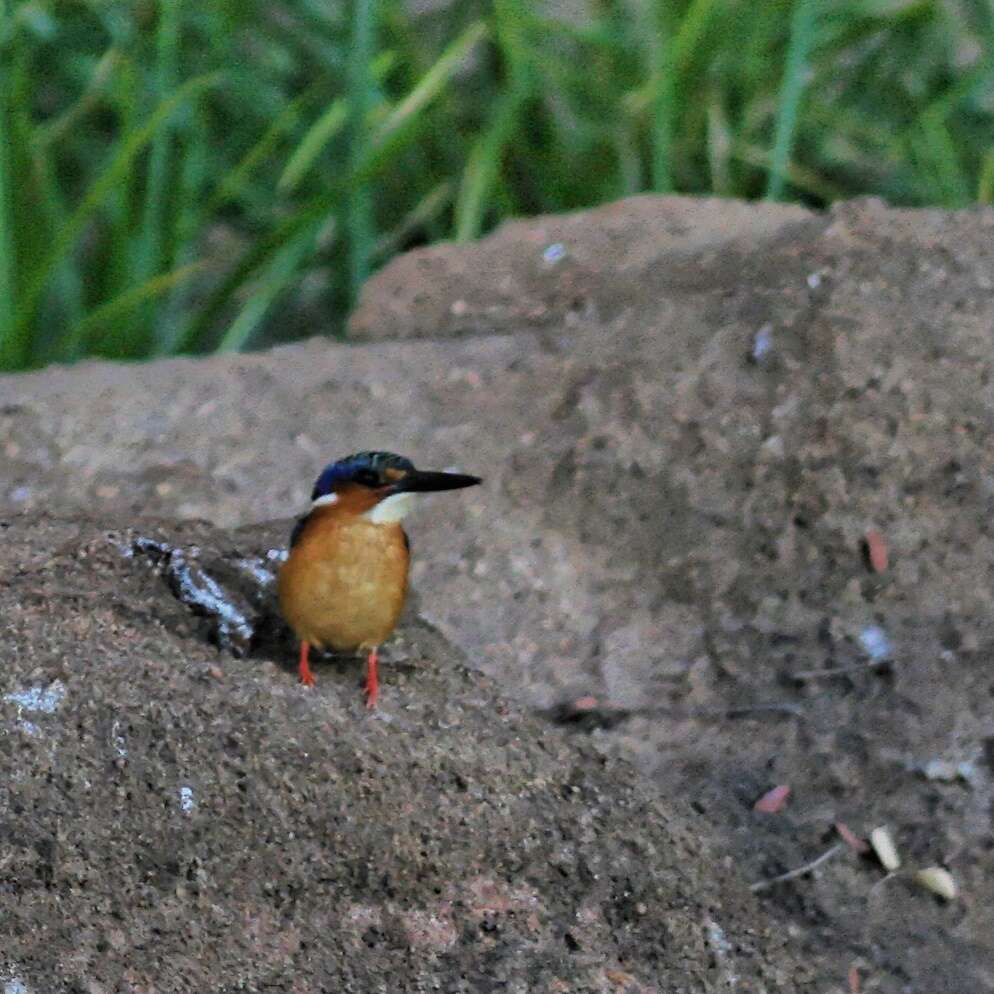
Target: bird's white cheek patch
<point>325,500</point>
<point>390,509</point>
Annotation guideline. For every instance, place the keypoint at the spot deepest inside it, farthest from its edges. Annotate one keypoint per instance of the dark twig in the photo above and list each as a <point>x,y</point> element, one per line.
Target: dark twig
<point>839,670</point>
<point>608,715</point>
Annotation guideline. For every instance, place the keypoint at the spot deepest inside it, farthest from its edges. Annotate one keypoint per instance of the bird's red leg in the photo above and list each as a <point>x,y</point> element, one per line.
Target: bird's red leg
<point>306,676</point>
<point>372,679</point>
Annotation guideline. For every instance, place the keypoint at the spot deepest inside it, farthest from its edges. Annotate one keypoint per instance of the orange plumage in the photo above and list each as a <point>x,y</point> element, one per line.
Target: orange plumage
<point>344,586</point>
<point>344,582</point>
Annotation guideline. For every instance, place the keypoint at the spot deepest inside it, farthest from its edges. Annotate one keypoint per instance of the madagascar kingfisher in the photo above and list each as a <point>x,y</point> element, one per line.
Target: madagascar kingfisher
<point>344,581</point>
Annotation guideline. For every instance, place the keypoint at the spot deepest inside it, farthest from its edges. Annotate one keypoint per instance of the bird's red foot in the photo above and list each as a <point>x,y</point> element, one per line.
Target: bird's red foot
<point>306,676</point>
<point>372,680</point>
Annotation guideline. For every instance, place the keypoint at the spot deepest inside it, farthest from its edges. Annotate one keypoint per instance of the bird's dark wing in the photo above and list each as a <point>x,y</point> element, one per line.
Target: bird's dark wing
<point>407,540</point>
<point>297,529</point>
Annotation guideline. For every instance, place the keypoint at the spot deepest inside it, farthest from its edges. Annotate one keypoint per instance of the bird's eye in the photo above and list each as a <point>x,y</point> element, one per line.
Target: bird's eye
<point>367,478</point>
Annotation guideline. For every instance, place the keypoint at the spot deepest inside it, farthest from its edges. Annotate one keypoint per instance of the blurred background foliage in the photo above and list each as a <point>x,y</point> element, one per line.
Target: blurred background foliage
<point>180,177</point>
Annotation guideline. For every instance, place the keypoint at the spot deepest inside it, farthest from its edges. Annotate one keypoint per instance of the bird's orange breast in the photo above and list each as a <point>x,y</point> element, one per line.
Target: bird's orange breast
<point>344,583</point>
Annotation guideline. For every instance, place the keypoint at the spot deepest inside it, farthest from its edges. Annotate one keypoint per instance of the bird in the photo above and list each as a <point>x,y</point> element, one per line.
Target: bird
<point>344,581</point>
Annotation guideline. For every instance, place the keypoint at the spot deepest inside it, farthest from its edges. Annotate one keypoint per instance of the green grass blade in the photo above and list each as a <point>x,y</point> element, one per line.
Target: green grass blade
<point>326,127</point>
<point>118,211</point>
<point>481,175</point>
<point>936,152</point>
<point>664,95</point>
<point>362,96</point>
<point>236,179</point>
<point>422,214</point>
<point>719,147</point>
<point>188,229</point>
<point>692,27</point>
<point>985,184</point>
<point>433,82</point>
<point>256,256</point>
<point>156,215</point>
<point>804,179</point>
<point>13,343</point>
<point>802,32</point>
<point>129,148</point>
<point>122,306</point>
<point>283,270</point>
<point>67,286</point>
<point>483,166</point>
<point>59,128</point>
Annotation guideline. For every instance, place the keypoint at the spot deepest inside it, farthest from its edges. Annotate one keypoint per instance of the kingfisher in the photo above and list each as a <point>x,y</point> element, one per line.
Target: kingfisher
<point>344,582</point>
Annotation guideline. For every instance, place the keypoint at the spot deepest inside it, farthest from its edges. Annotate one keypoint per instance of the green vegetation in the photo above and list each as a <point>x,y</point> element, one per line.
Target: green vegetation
<point>182,177</point>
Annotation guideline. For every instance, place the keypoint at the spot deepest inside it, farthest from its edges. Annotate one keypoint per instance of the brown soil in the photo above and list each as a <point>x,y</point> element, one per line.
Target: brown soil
<point>176,823</point>
<point>689,414</point>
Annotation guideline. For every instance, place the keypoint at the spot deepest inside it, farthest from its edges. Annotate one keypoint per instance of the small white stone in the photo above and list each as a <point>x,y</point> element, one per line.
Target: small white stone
<point>39,699</point>
<point>773,448</point>
<point>875,643</point>
<point>938,881</point>
<point>762,343</point>
<point>940,769</point>
<point>883,846</point>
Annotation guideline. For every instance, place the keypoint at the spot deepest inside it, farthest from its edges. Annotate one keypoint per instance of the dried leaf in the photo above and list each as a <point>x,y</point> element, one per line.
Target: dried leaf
<point>588,703</point>
<point>854,981</point>
<point>851,839</point>
<point>876,550</point>
<point>773,801</point>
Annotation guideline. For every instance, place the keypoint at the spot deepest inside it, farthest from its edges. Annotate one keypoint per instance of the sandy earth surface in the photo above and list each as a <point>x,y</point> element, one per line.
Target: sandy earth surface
<point>689,413</point>
<point>176,822</point>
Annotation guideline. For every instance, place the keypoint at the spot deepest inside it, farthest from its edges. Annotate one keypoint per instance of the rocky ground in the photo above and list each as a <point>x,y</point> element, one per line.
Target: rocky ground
<point>176,822</point>
<point>690,415</point>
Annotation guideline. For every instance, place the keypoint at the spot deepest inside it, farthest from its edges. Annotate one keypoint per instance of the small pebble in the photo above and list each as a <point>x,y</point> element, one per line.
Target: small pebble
<point>938,881</point>
<point>883,846</point>
<point>38,699</point>
<point>762,343</point>
<point>554,253</point>
<point>875,643</point>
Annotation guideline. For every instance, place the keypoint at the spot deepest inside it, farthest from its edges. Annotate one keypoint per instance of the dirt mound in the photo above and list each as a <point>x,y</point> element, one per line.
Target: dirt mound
<point>176,822</point>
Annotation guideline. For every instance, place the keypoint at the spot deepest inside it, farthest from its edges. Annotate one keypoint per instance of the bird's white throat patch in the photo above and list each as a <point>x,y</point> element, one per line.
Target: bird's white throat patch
<point>324,500</point>
<point>391,509</point>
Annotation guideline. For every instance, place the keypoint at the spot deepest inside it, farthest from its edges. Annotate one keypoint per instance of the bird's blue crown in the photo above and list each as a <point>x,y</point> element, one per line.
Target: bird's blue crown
<point>365,468</point>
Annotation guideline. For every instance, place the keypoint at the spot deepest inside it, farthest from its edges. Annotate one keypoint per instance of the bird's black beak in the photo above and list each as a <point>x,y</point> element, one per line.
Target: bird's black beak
<point>425,481</point>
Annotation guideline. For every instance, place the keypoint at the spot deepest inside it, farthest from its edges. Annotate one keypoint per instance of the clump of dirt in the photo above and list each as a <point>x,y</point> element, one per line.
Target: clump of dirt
<point>178,820</point>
